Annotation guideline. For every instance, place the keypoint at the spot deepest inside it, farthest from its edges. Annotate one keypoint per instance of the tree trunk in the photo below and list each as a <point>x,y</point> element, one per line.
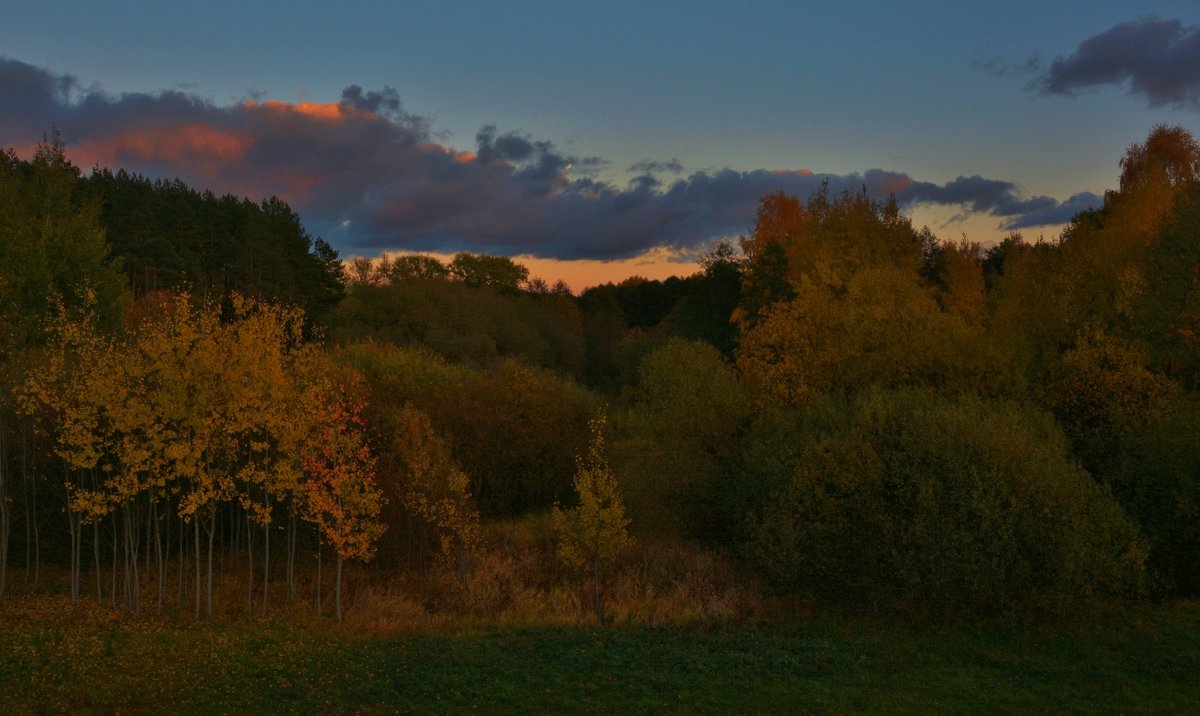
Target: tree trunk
<point>77,562</point>
<point>26,495</point>
<point>291,557</point>
<point>158,553</point>
<point>266,560</point>
<point>37,540</point>
<point>182,561</point>
<point>212,532</point>
<point>338,589</point>
<point>196,540</point>
<point>115,539</point>
<point>4,524</point>
<point>96,561</point>
<point>73,530</point>
<point>149,527</point>
<point>318,577</point>
<point>249,566</point>
<point>132,580</point>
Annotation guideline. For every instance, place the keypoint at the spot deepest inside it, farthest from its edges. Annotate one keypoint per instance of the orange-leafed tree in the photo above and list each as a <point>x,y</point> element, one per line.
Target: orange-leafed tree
<point>339,490</point>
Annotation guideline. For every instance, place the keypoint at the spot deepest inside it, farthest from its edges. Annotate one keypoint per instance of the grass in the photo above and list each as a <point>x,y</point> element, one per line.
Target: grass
<point>57,658</point>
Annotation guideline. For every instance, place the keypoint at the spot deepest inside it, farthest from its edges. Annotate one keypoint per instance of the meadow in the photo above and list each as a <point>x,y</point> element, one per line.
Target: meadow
<point>82,659</point>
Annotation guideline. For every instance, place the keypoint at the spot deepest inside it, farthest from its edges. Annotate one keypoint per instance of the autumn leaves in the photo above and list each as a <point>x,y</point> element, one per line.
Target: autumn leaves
<point>197,415</point>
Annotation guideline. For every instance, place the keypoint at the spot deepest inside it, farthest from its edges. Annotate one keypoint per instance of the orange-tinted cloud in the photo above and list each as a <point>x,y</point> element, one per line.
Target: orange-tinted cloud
<point>190,144</point>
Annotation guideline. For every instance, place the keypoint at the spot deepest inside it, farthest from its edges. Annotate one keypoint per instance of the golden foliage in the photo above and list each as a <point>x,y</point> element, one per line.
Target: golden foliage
<point>596,531</point>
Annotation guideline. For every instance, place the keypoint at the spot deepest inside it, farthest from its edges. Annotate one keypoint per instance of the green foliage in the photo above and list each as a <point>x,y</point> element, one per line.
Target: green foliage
<point>171,236</point>
<point>1168,317</point>
<point>496,272</point>
<point>885,330</point>
<point>52,249</point>
<point>678,440</point>
<point>705,309</point>
<point>596,530</point>
<point>1025,313</point>
<point>968,505</point>
<point>1156,478</point>
<point>512,428</point>
<point>430,502</point>
<point>477,326</point>
<point>956,272</point>
<point>412,266</point>
<point>826,242</point>
<point>1101,388</point>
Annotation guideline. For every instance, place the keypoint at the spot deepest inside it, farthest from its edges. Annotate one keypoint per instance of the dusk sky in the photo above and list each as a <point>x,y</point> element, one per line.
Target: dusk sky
<point>633,134</point>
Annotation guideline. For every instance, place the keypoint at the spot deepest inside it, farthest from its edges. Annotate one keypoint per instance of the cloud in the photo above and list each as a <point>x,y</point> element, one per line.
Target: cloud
<point>647,166</point>
<point>1054,213</point>
<point>1159,60</point>
<point>368,175</point>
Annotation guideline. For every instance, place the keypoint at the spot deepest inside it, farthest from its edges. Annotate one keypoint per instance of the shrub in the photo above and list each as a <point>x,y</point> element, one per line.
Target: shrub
<point>966,505</point>
<point>1157,479</point>
<point>679,439</point>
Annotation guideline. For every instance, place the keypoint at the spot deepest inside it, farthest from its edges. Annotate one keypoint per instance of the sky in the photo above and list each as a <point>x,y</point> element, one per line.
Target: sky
<point>594,141</point>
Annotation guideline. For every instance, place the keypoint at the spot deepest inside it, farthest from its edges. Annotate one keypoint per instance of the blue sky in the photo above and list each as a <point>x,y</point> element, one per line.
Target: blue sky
<point>619,128</point>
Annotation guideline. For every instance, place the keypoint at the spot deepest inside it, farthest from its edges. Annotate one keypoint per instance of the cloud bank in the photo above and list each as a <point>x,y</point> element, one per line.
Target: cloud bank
<point>1159,61</point>
<point>368,175</point>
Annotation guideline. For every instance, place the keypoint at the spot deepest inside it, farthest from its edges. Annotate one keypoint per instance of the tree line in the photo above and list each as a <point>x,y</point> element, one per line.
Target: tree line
<point>845,405</point>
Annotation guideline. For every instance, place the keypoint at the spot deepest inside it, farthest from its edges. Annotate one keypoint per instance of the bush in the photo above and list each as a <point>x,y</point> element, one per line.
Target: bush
<point>964,505</point>
<point>1157,480</point>
<point>679,440</point>
<point>513,429</point>
<point>475,326</point>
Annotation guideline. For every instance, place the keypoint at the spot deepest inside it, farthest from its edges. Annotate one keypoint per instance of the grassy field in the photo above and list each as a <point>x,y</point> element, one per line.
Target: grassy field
<point>59,659</point>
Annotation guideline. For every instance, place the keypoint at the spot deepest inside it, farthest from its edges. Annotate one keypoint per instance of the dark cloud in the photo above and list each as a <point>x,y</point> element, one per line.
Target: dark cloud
<point>1055,213</point>
<point>385,103</point>
<point>646,166</point>
<point>1159,60</point>
<point>367,175</point>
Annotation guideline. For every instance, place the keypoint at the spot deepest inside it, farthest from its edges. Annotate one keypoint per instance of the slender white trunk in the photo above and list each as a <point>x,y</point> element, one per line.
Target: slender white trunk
<point>96,562</point>
<point>249,566</point>
<point>266,560</point>
<point>212,531</point>
<point>338,589</point>
<point>196,540</point>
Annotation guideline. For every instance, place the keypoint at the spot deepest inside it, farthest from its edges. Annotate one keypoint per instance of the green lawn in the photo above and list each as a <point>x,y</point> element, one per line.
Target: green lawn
<point>1143,661</point>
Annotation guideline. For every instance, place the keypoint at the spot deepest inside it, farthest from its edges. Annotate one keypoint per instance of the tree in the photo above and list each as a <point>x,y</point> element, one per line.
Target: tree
<point>956,272</point>
<point>1167,317</point>
<point>885,329</point>
<point>415,266</point>
<point>1154,171</point>
<point>419,472</point>
<point>53,258</point>
<point>211,419</point>
<point>677,442</point>
<point>592,535</point>
<point>339,490</point>
<point>498,272</point>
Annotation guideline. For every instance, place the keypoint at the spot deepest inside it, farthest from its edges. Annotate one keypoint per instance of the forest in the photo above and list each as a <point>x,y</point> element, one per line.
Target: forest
<point>205,413</point>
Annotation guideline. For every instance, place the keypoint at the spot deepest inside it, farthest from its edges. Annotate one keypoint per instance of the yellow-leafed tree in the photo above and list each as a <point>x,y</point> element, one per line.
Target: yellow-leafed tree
<point>596,532</point>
